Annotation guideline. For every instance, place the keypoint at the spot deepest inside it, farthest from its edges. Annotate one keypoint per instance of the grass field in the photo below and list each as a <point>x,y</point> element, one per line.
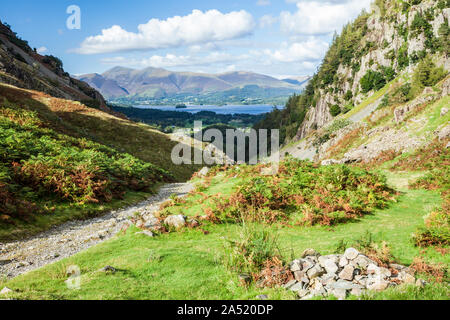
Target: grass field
<point>188,264</point>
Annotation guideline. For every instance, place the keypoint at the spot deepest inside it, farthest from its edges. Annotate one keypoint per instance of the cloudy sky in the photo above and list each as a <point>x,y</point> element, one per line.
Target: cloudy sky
<point>274,37</point>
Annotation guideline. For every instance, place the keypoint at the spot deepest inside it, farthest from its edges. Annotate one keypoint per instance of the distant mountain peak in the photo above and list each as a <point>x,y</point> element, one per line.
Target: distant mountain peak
<point>121,82</point>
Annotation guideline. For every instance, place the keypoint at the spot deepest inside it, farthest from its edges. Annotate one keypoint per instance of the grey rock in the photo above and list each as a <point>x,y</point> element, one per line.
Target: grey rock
<point>444,133</point>
<point>421,283</point>
<point>176,221</point>
<point>343,262</point>
<point>356,292</point>
<point>343,284</point>
<point>290,284</point>
<point>309,252</point>
<point>297,287</point>
<point>372,269</point>
<point>306,264</point>
<point>347,273</point>
<point>395,266</point>
<point>378,285</point>
<point>301,276</point>
<point>295,266</point>
<point>351,253</point>
<point>315,272</point>
<point>384,272</point>
<point>362,261</point>
<point>302,293</point>
<point>444,111</point>
<point>339,293</point>
<point>328,278</point>
<point>262,297</point>
<point>330,266</point>
<point>362,280</point>
<point>332,257</point>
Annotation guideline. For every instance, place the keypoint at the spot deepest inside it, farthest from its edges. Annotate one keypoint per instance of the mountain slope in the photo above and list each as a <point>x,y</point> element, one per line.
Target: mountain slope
<point>24,67</point>
<point>370,53</point>
<point>121,82</point>
<point>61,160</point>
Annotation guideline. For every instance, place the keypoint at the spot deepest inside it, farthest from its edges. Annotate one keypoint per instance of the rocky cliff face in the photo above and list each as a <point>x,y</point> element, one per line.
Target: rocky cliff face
<point>393,37</point>
<point>23,67</point>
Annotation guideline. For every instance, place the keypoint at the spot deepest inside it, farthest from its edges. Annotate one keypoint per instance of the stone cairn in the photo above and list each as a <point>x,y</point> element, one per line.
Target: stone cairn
<point>344,274</point>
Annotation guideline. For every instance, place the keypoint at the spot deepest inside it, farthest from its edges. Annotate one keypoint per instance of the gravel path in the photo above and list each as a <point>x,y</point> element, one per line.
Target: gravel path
<point>63,241</point>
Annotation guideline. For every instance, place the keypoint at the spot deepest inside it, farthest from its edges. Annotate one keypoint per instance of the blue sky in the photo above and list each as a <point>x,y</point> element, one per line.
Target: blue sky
<point>274,37</point>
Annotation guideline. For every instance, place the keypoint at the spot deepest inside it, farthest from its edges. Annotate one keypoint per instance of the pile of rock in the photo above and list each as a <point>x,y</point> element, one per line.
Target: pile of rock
<point>343,274</point>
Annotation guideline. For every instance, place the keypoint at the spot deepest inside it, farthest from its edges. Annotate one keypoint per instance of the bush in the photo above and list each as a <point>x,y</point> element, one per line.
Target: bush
<point>427,74</point>
<point>335,110</point>
<point>252,250</point>
<point>436,231</point>
<point>372,80</point>
<point>324,195</point>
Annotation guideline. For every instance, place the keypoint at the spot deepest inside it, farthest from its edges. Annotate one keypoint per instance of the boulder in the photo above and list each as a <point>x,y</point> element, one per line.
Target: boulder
<point>343,262</point>
<point>444,111</point>
<point>372,269</point>
<point>309,252</point>
<point>315,272</point>
<point>421,283</point>
<point>351,253</point>
<point>290,284</point>
<point>406,277</point>
<point>151,223</point>
<point>362,261</point>
<point>444,133</point>
<point>330,266</point>
<point>296,265</point>
<point>378,285</point>
<point>347,273</point>
<point>343,284</point>
<point>297,287</point>
<point>341,294</point>
<point>175,221</point>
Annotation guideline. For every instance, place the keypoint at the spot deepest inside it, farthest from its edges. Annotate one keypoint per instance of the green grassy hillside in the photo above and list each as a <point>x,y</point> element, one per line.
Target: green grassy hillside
<point>63,160</point>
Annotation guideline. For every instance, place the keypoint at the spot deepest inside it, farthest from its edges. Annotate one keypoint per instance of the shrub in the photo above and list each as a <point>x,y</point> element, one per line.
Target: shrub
<point>252,250</point>
<point>427,74</point>
<point>335,110</point>
<point>324,195</point>
<point>372,80</point>
<point>436,231</point>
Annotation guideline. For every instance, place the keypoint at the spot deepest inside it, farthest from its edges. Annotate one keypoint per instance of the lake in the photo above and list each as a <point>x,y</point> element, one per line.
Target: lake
<point>229,109</point>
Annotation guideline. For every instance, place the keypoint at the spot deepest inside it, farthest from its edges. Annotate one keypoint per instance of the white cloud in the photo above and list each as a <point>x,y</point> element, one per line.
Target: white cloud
<point>196,28</point>
<point>42,50</point>
<point>314,17</point>
<point>267,21</point>
<point>307,51</point>
<point>171,60</point>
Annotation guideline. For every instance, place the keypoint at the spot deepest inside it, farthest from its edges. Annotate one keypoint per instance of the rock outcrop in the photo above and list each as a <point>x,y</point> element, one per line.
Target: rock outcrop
<point>23,67</point>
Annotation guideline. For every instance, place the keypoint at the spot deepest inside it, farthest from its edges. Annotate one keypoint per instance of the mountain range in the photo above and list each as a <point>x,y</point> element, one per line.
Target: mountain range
<point>157,83</point>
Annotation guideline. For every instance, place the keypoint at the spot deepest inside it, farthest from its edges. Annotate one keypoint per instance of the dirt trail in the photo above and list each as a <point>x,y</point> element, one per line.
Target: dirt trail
<point>63,241</point>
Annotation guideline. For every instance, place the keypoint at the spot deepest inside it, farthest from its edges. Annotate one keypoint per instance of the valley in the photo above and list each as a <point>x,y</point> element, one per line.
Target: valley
<point>357,208</point>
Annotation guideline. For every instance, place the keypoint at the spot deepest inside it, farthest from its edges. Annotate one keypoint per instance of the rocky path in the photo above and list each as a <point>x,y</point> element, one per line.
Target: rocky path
<point>63,241</point>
